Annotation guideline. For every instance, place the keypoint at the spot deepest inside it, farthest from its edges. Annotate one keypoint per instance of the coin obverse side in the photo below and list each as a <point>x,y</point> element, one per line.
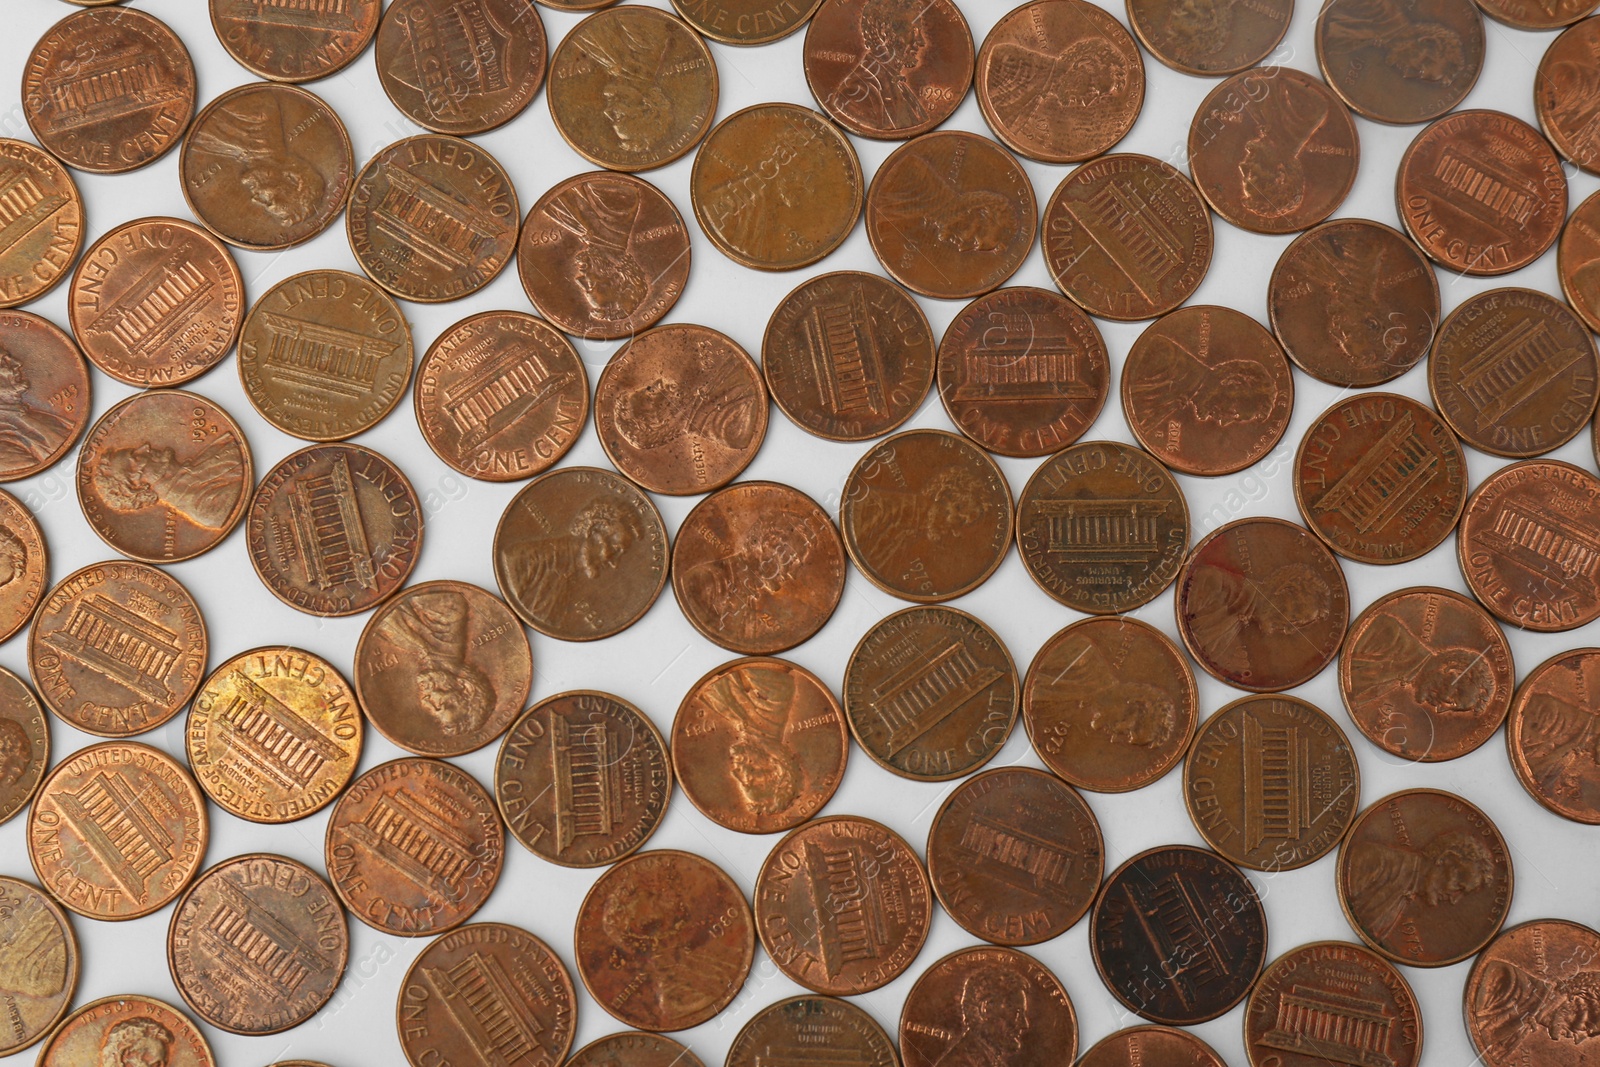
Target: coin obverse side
<point>888,69</point>
<point>41,972</point>
<point>24,565</point>
<point>1555,699</point>
<point>1523,999</point>
<point>1407,61</point>
<point>1308,990</point>
<point>42,239</point>
<point>976,1000</point>
<point>128,1025</point>
<point>1577,260</point>
<point>45,376</point>
<point>797,1028</point>
<point>24,745</point>
<point>1209,37</point>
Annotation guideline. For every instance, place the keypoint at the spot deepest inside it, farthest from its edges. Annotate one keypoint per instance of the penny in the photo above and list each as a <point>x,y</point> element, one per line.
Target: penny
<point>108,91</point>
<point>1102,527</point>
<point>1550,735</point>
<point>1424,877</point>
<point>117,648</point>
<point>414,847</point>
<point>127,1029</point>
<point>759,745</point>
<point>1577,257</point>
<point>741,22</point>
<point>1481,192</point>
<point>951,215</point>
<point>1332,999</point>
<point>24,566</point>
<point>1262,605</point>
<point>580,553</point>
<point>1015,856</point>
<point>433,217</point>
<point>293,42</point>
<point>888,69</point>
<point>41,227</point>
<point>664,940</point>
<point>1139,1045</point>
<point>461,68</point>
<point>757,567</point>
<point>25,748</point>
<point>843,905</point>
<point>1526,998</point>
<point>1209,37</point>
<point>117,831</point>
<point>1426,674</point>
<point>324,355</point>
<point>274,734</point>
<point>979,1002</point>
<point>1273,150</point>
<point>1400,61</point>
<point>1127,237</point>
<point>776,186</point>
<point>634,1049</point>
<point>38,965</point>
<point>1544,15</point>
<point>44,394</point>
<point>801,1029</point>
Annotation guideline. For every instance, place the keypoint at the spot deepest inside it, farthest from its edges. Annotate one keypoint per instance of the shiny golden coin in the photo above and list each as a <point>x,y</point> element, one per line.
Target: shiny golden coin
<point>45,229</point>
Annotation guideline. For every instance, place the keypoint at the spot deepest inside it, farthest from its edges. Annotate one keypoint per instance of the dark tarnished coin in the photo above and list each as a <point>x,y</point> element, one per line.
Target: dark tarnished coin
<point>24,566</point>
<point>1578,261</point>
<point>1209,37</point>
<point>25,749</point>
<point>461,66</point>
<point>127,1029</point>
<point>759,745</point>
<point>1528,996</point>
<point>1165,1045</point>
<point>634,1049</point>
<point>1400,61</point>
<point>39,963</point>
<point>805,1029</point>
<point>290,41</point>
<point>1552,734</point>
<point>41,222</point>
<point>44,394</point>
<point>889,69</point>
<point>738,22</point>
<point>981,1003</point>
<point>1536,14</point>
<point>1331,1001</point>
<point>1564,95</point>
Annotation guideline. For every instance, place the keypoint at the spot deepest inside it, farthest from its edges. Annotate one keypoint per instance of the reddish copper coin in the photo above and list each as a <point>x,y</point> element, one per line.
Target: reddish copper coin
<point>889,69</point>
<point>1139,1045</point>
<point>294,42</point>
<point>978,1003</point>
<point>1527,996</point>
<point>634,1049</point>
<point>25,746</point>
<point>1551,734</point>
<point>1400,61</point>
<point>1578,261</point>
<point>1209,37</point>
<point>802,1029</point>
<point>41,963</point>
<point>1536,14</point>
<point>127,1028</point>
<point>44,394</point>
<point>461,68</point>
<point>1331,1001</point>
<point>41,228</point>
<point>24,565</point>
<point>736,22</point>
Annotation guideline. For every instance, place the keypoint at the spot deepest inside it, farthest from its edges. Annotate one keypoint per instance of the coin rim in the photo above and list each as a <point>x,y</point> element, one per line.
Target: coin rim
<point>74,969</point>
<point>740,42</point>
<point>9,501</point>
<point>125,998</point>
<point>1166,60</point>
<point>1368,112</point>
<point>1518,759</point>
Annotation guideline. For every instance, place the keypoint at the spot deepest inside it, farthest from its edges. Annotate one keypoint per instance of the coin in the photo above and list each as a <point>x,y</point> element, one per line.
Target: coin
<point>274,734</point>
<point>1102,527</point>
<point>25,749</point>
<point>461,68</point>
<point>334,529</point>
<point>127,1028</point>
<point>759,745</point>
<point>117,648</point>
<point>414,847</point>
<point>951,214</point>
<point>41,229</point>
<point>41,972</point>
<point>664,940</point>
<point>1546,15</point>
<point>1424,877</point>
<point>1127,237</point>
<point>1481,192</point>
<point>1545,735</point>
<point>433,217</point>
<point>108,91</point>
<point>1016,857</point>
<point>290,42</point>
<point>801,1029</point>
<point>981,1001</point>
<point>44,383</point>
<point>842,905</point>
<point>742,22</point>
<point>757,567</point>
<point>634,1049</point>
<point>776,186</point>
<point>1526,997</point>
<point>1426,674</point>
<point>1400,61</point>
<point>24,566</point>
<point>258,944</point>
<point>1576,258</point>
<point>1138,1045</point>
<point>580,553</point>
<point>1332,999</point>
<point>1209,37</point>
<point>888,69</point>
<point>1262,605</point>
<point>583,779</point>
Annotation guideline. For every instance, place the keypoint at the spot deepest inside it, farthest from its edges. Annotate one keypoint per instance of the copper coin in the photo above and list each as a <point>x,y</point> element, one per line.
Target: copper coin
<point>1424,877</point>
<point>1167,1045</point>
<point>889,69</point>
<point>1332,1001</point>
<point>580,554</point>
<point>294,42</point>
<point>1022,371</point>
<point>1209,37</point>
<point>117,831</point>
<point>843,905</point>
<point>24,565</point>
<point>632,88</point>
<point>634,1049</point>
<point>1426,674</point>
<point>980,1003</point>
<point>461,68</point>
<point>25,746</point>
<point>274,735</point>
<point>117,648</point>
<point>664,940</point>
<point>1536,14</point>
<point>1481,192</point>
<point>1127,237</point>
<point>1102,527</point>
<point>486,993</point>
<point>759,745</point>
<point>1551,735</point>
<point>1273,150</point>
<point>848,356</point>
<point>1527,996</point>
<point>1015,856</point>
<point>41,225</point>
<point>737,22</point>
<point>810,1030</point>
<point>1577,258</point>
<point>776,186</point>
<point>1380,478</point>
<point>108,91</point>
<point>583,779</point>
<point>38,965</point>
<point>1262,605</point>
<point>758,567</point>
<point>44,394</point>
<point>1207,390</point>
<point>433,217</point>
<point>951,214</point>
<point>1400,61</point>
<point>127,1029</point>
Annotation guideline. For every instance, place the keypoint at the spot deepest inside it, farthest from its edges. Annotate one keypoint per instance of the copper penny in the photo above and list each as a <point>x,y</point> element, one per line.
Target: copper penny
<point>1167,1045</point>
<point>1426,674</point>
<point>1102,527</point>
<point>1424,877</point>
<point>583,779</point>
<point>1400,61</point>
<point>288,41</point>
<point>1207,391</point>
<point>108,91</point>
<point>1015,856</point>
<point>1209,37</point>
<point>1262,605</point>
<point>664,940</point>
<point>1527,996</point>
<point>117,648</point>
<point>1332,1001</point>
<point>759,745</point>
<point>127,1029</point>
<point>1273,150</point>
<point>776,186</point>
<point>1536,14</point>
<point>433,217</point>
<point>576,5</point>
<point>981,1003</point>
<point>41,222</point>
<point>44,394</point>
<point>1127,237</point>
<point>38,966</point>
<point>117,831</point>
<point>951,214</point>
<point>25,746</point>
<point>1577,260</point>
<point>274,734</point>
<point>1023,372</point>
<point>1481,192</point>
<point>461,68</point>
<point>580,554</point>
<point>1380,478</point>
<point>805,1029</point>
<point>843,905</point>
<point>758,567</point>
<point>24,565</point>
<point>889,69</point>
<point>739,22</point>
<point>634,1049</point>
<point>1551,734</point>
